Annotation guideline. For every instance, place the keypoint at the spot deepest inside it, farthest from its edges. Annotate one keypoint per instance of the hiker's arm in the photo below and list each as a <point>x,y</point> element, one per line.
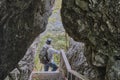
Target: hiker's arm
<point>55,51</point>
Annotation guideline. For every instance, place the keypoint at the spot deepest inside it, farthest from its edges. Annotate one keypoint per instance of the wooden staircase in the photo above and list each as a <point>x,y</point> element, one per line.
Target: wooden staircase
<point>58,75</point>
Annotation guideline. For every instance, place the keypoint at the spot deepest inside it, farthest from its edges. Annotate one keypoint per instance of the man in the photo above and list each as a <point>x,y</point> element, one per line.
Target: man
<point>50,53</point>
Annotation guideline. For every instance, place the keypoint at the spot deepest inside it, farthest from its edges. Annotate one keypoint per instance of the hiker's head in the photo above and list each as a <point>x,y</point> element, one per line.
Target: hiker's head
<point>48,41</point>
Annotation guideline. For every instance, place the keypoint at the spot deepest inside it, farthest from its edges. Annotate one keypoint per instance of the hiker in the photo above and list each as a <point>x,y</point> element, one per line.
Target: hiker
<point>47,59</point>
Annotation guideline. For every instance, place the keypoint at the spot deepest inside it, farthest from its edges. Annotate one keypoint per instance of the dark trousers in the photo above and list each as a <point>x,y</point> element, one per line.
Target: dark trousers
<point>52,65</point>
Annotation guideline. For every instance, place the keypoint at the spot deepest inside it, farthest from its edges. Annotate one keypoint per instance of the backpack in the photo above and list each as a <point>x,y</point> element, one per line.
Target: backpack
<point>43,56</point>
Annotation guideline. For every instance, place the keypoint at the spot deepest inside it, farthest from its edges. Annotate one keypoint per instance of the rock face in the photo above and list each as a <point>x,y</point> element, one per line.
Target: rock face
<point>97,24</point>
<point>25,66</point>
<point>20,22</point>
<point>79,62</point>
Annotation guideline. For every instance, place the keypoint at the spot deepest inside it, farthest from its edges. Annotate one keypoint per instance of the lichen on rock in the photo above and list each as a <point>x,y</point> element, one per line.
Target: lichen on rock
<point>95,23</point>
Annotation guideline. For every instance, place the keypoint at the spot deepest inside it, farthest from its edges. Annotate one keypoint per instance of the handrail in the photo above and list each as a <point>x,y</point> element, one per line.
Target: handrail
<point>70,75</point>
<point>65,60</point>
<point>69,69</point>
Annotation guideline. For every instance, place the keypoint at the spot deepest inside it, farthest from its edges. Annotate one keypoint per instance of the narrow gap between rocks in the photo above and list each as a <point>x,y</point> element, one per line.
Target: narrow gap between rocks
<point>56,32</point>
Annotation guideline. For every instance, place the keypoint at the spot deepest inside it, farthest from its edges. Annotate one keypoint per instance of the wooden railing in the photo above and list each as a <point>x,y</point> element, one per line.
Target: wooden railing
<point>64,73</point>
<point>70,74</point>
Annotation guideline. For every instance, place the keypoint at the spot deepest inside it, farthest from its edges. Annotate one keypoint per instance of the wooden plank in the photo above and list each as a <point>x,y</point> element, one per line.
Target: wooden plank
<point>46,75</point>
<point>63,55</point>
<point>45,72</point>
<point>78,75</point>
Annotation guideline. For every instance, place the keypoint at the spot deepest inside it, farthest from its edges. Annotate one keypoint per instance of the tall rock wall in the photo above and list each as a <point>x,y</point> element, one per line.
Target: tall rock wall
<point>97,24</point>
<point>79,63</point>
<point>26,64</point>
<point>20,22</point>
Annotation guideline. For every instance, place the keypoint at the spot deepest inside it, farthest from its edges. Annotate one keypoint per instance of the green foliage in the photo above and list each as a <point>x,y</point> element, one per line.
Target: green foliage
<point>57,5</point>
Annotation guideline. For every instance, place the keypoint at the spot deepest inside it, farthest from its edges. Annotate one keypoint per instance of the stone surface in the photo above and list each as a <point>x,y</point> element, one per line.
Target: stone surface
<point>93,22</point>
<point>97,24</point>
<point>26,64</point>
<point>79,62</point>
<point>21,21</point>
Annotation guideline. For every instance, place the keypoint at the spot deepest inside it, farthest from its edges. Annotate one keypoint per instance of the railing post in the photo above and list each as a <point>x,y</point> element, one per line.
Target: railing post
<point>71,74</point>
<point>67,74</point>
<point>30,78</point>
<point>61,60</point>
<point>65,60</point>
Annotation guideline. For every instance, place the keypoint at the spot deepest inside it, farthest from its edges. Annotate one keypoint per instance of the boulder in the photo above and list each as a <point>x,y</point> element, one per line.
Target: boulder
<point>21,21</point>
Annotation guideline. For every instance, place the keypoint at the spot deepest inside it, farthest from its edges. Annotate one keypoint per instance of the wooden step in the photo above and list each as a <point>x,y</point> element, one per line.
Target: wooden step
<point>45,75</point>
